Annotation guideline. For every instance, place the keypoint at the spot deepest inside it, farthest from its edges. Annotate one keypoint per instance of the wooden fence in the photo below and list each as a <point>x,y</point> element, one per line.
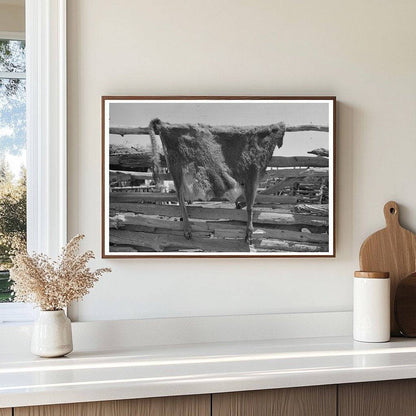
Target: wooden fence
<point>291,210</point>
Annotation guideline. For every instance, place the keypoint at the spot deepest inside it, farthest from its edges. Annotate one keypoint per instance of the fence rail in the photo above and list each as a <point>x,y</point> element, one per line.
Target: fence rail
<point>291,211</point>
<point>143,160</point>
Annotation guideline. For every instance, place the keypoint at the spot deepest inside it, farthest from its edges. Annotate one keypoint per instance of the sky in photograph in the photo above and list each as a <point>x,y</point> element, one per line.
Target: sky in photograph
<point>13,106</point>
<point>238,114</point>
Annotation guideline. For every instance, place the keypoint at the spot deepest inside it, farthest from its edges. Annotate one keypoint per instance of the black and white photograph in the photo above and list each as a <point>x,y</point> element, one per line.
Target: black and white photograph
<point>218,176</point>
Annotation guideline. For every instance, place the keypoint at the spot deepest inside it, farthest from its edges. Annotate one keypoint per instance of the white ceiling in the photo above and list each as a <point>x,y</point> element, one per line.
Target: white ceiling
<point>13,2</point>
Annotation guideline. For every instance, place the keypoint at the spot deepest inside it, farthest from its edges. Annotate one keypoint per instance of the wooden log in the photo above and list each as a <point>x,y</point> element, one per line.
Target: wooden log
<point>305,208</point>
<point>122,249</point>
<point>177,242</point>
<point>166,197</point>
<point>269,217</point>
<point>307,192</point>
<point>268,205</point>
<point>156,159</point>
<point>128,161</point>
<point>286,208</point>
<point>320,152</point>
<point>275,199</point>
<point>318,209</point>
<point>139,175</point>
<point>307,127</point>
<point>137,161</point>
<point>302,188</point>
<point>151,222</point>
<point>124,130</point>
<point>259,216</point>
<point>172,243</point>
<point>219,229</point>
<point>115,222</point>
<point>286,227</point>
<point>298,161</point>
<point>291,246</point>
<point>140,197</point>
<point>133,161</point>
<point>119,174</point>
<point>296,173</point>
<point>267,233</point>
<point>279,186</point>
<point>144,229</point>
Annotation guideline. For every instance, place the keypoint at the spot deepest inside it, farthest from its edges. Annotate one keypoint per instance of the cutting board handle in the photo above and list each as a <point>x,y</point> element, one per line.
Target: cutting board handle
<point>391,214</point>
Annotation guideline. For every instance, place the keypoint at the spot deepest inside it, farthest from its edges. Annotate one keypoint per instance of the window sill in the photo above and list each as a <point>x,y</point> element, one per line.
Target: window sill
<point>16,313</point>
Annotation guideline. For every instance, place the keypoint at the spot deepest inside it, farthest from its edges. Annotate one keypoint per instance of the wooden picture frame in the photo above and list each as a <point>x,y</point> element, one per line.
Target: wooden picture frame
<point>217,150</point>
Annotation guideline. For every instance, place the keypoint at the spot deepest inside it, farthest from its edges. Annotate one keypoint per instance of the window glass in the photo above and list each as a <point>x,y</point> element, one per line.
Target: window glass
<point>12,56</point>
<point>12,156</point>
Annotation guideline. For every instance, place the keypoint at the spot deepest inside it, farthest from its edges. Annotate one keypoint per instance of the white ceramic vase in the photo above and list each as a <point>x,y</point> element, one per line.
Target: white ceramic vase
<point>52,334</point>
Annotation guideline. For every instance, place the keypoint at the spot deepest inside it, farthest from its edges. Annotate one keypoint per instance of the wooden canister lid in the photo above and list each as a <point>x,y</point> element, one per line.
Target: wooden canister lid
<point>372,275</point>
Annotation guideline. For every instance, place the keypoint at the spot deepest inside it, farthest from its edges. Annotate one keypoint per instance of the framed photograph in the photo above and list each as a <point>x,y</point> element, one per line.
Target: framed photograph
<point>218,176</point>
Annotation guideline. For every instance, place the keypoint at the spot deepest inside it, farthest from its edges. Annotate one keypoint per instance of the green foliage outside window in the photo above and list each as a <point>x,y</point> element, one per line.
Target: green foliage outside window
<point>12,151</point>
<point>12,223</point>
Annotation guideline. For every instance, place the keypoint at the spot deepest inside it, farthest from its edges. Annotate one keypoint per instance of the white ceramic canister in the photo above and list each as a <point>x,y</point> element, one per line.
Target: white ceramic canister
<point>371,307</point>
<point>52,334</point>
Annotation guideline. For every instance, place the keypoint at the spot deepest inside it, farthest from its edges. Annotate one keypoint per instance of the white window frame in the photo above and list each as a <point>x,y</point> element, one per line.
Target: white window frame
<point>12,35</point>
<point>46,126</point>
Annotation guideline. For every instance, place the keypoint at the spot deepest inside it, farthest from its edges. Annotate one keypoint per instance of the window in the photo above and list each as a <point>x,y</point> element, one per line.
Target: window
<point>12,154</point>
<point>45,90</point>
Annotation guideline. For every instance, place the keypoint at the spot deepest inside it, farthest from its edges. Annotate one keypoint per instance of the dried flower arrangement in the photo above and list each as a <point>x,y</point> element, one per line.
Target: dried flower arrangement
<point>52,285</point>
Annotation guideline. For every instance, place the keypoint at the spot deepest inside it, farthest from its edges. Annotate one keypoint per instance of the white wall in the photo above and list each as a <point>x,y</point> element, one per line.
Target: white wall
<point>361,51</point>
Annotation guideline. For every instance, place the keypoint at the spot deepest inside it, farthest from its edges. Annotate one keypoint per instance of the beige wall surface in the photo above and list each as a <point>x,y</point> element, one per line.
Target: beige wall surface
<point>12,18</point>
<point>361,51</point>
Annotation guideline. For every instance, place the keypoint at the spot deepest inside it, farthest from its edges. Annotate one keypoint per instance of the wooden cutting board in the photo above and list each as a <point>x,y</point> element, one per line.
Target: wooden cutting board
<point>393,250</point>
<point>405,306</point>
